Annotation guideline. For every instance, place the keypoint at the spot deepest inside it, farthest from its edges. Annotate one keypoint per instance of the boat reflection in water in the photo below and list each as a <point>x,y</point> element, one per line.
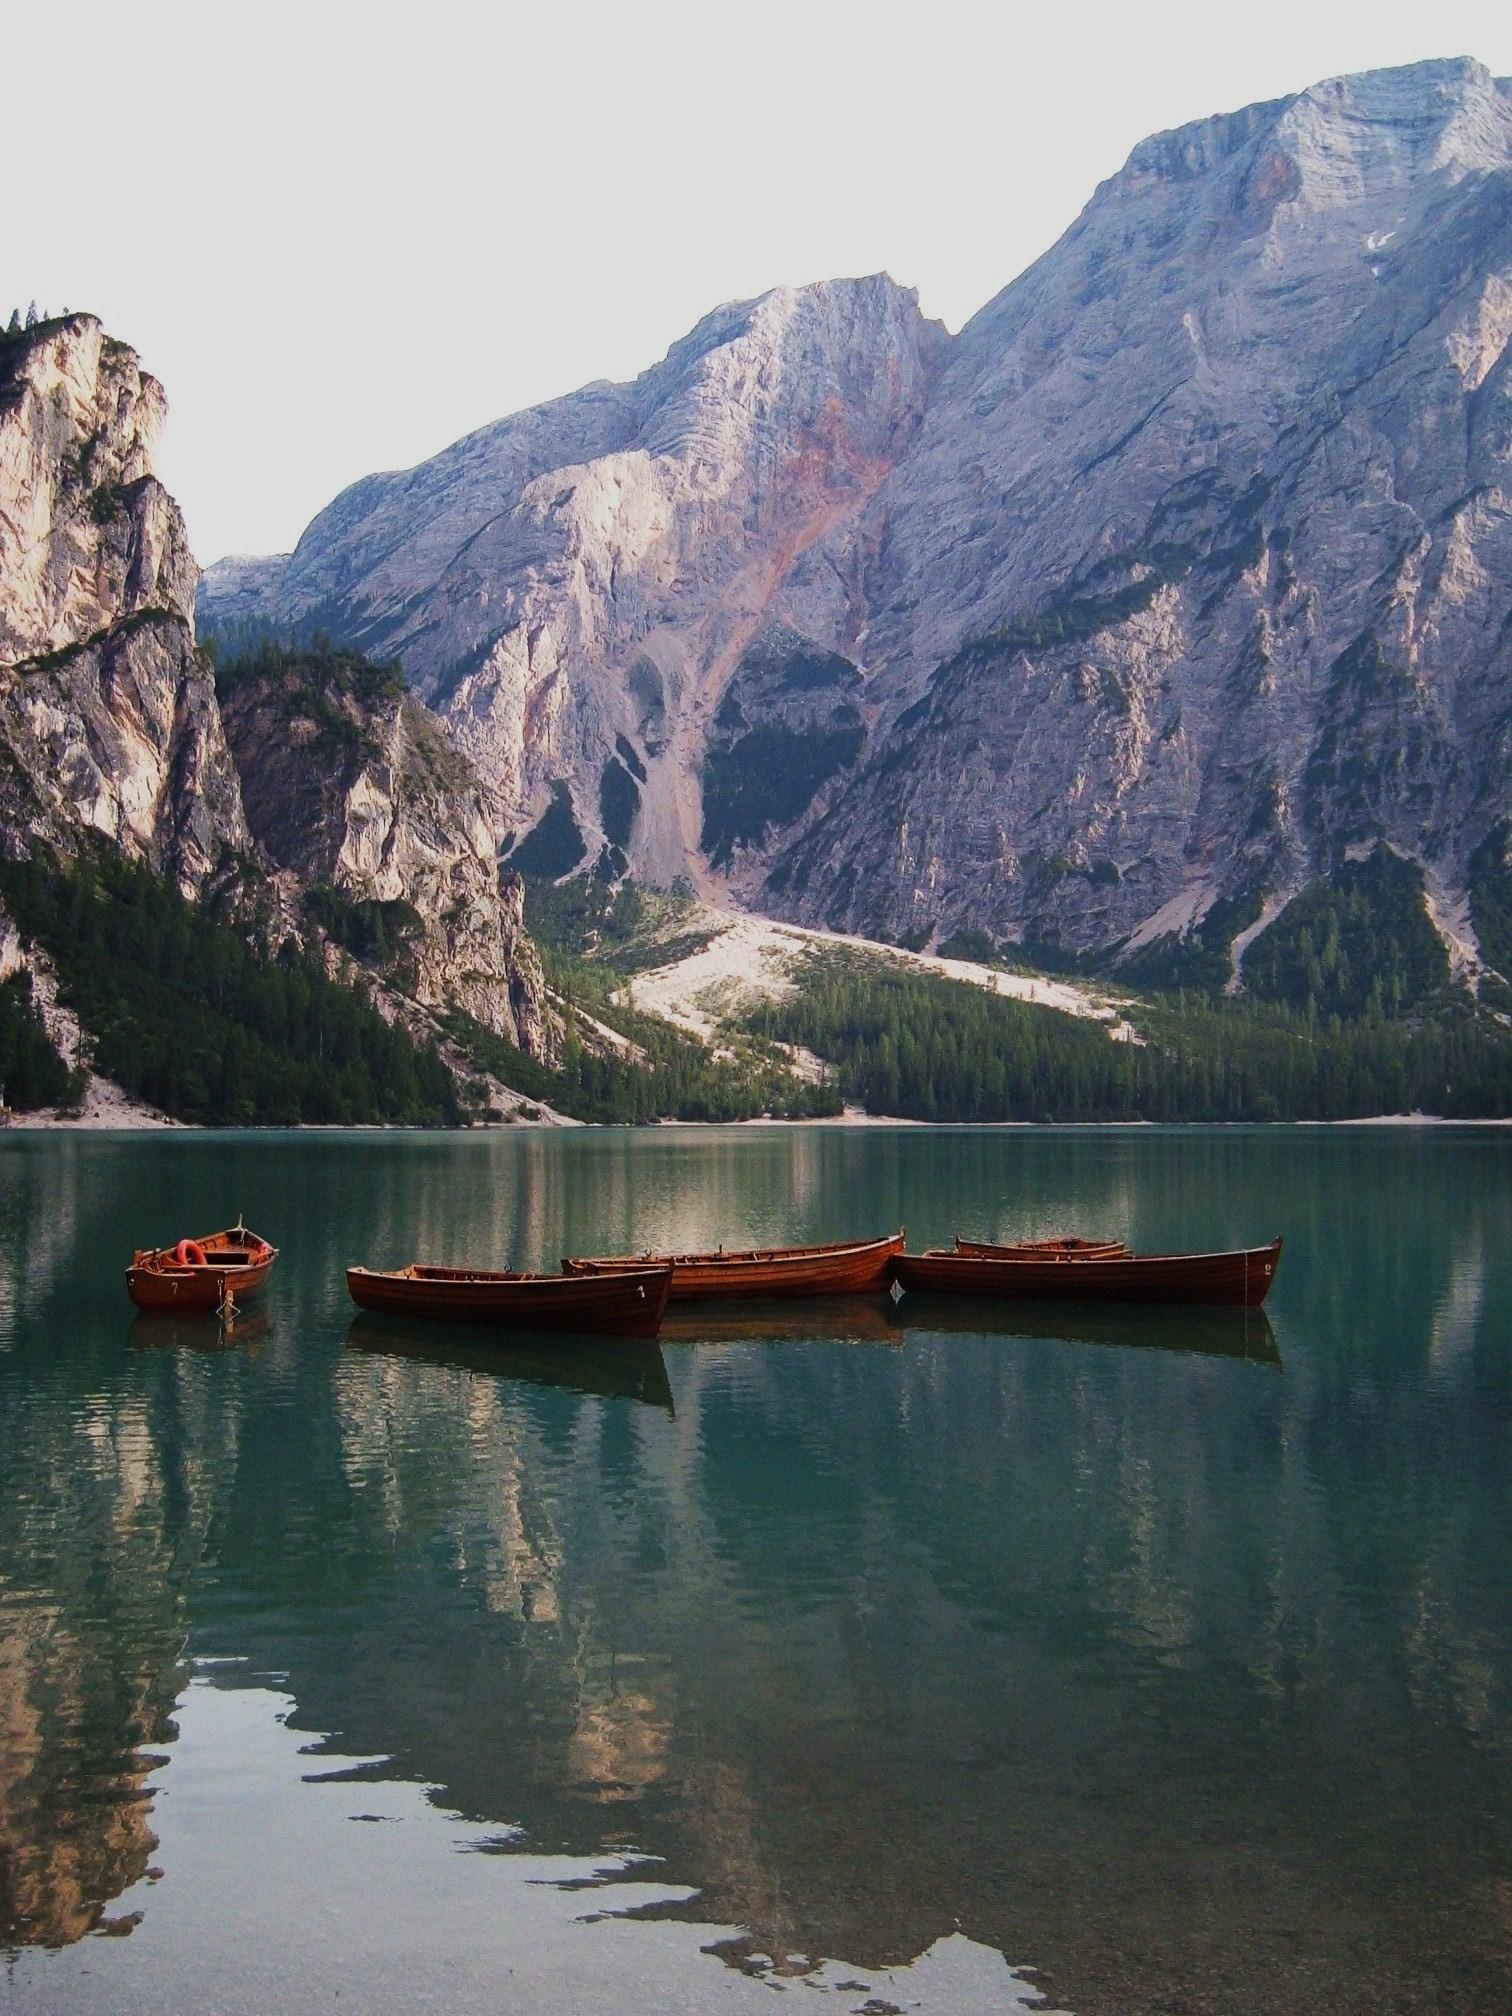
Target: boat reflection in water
<point>1217,1333</point>
<point>821,1319</point>
<point>189,1332</point>
<point>629,1369</point>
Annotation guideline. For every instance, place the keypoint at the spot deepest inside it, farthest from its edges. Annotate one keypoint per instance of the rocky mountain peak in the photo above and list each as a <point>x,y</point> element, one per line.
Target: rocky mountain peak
<point>89,535</point>
<point>784,358</point>
<point>1348,135</point>
<point>648,533</point>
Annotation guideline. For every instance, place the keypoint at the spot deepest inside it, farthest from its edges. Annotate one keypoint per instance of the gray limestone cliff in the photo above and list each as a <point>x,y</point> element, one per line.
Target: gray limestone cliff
<point>1198,578</point>
<point>1180,577</point>
<point>108,721</point>
<point>352,786</point>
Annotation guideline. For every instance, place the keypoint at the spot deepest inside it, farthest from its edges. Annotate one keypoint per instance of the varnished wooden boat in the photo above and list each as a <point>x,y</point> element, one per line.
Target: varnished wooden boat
<point>1240,1279</point>
<point>850,1267</point>
<point>1042,1249</point>
<point>623,1369</point>
<point>628,1303</point>
<point>197,1275</point>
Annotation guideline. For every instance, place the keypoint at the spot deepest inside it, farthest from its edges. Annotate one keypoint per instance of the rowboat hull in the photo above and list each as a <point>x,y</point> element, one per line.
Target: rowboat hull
<point>237,1265</point>
<point>851,1268</point>
<point>627,1304</point>
<point>1240,1279</point>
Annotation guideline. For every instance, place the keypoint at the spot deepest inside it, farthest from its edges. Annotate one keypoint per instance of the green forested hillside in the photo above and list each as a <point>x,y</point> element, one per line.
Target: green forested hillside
<point>923,1048</point>
<point>1356,942</point>
<point>1491,909</point>
<point>680,1080</point>
<point>32,1074</point>
<point>187,1016</point>
<point>592,940</point>
<point>904,1042</point>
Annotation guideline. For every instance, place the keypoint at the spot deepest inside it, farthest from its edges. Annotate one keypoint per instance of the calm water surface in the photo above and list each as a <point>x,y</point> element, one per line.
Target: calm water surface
<point>947,1660</point>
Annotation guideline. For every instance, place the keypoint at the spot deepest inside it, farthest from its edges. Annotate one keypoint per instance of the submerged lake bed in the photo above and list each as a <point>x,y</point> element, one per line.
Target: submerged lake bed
<point>943,1656</point>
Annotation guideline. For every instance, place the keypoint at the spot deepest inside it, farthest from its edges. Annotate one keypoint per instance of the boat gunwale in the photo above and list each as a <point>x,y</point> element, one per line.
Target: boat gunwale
<point>162,1260</point>
<point>418,1274</point>
<point>1030,1249</point>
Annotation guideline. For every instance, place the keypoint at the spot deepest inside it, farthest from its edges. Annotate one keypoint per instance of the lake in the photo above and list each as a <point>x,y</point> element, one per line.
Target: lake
<point>947,1658</point>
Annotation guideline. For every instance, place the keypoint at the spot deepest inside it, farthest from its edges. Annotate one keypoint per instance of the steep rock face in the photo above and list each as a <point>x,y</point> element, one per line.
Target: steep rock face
<point>351,785</point>
<point>108,720</point>
<point>1182,575</point>
<point>1198,576</point>
<point>591,572</point>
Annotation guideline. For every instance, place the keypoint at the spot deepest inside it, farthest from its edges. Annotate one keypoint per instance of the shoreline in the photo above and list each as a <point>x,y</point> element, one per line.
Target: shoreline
<point>99,1123</point>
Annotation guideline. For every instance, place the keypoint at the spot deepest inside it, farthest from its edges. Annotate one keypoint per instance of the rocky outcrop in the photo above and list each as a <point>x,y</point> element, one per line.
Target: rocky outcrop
<point>352,786</point>
<point>108,721</point>
<point>1183,573</point>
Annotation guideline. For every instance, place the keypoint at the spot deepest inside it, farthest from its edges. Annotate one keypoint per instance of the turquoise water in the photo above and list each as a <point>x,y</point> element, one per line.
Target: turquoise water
<point>945,1658</point>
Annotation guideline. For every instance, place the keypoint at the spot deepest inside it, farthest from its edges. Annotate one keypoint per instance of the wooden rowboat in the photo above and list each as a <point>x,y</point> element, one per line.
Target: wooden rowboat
<point>624,1304</point>
<point>198,1275</point>
<point>1042,1249</point>
<point>848,1268</point>
<point>1241,1279</point>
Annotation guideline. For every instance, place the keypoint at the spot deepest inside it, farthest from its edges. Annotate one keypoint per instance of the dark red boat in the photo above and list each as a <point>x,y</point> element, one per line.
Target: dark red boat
<point>1241,1279</point>
<point>849,1268</point>
<point>629,1303</point>
<point>199,1275</point>
<point>1042,1249</point>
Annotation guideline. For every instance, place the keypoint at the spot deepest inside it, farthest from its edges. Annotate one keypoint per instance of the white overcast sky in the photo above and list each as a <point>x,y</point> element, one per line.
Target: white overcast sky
<point>344,235</point>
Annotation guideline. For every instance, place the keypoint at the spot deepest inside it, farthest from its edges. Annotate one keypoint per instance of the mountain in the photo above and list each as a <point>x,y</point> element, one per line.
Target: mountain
<point>575,588</point>
<point>1199,573</point>
<point>332,807</point>
<point>1180,580</point>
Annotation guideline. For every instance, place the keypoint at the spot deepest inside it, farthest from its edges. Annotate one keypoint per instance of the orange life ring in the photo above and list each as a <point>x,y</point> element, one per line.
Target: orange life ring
<point>189,1253</point>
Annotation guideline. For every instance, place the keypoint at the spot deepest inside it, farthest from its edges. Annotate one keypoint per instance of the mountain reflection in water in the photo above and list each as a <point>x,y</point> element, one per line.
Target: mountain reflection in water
<point>344,1886</point>
<point>874,1638</point>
